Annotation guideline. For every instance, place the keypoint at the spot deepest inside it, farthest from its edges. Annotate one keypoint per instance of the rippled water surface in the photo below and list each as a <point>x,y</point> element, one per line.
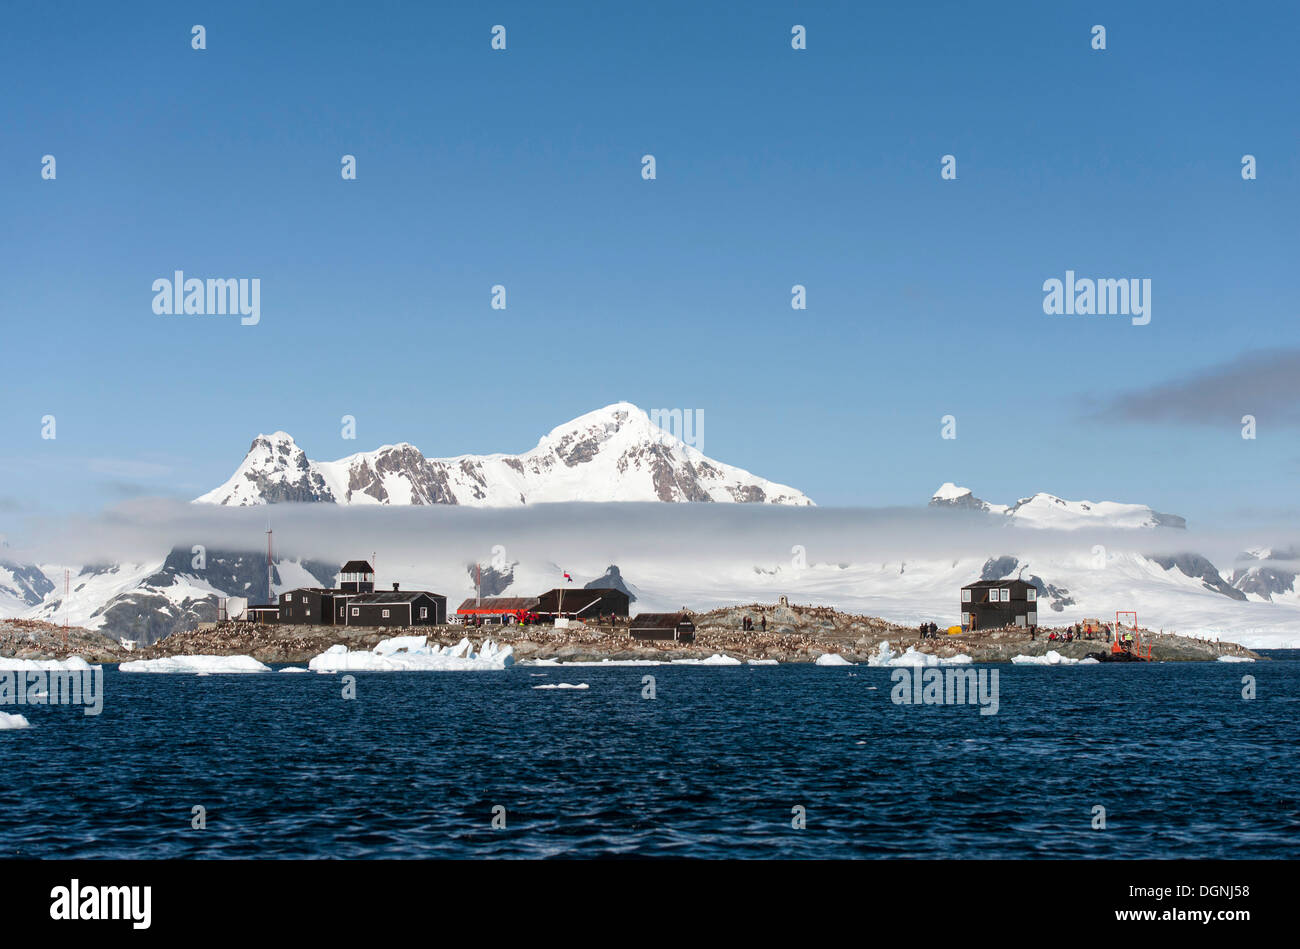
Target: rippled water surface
<point>711,767</point>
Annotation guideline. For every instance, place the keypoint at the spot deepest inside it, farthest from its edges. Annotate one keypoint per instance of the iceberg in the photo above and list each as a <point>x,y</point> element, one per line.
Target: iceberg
<point>1235,659</point>
<point>1052,658</point>
<point>885,657</point>
<point>717,659</point>
<point>831,659</point>
<point>200,665</point>
<point>609,663</point>
<point>9,722</point>
<point>414,654</point>
<point>71,664</point>
<point>562,685</point>
<point>762,662</point>
<point>396,644</point>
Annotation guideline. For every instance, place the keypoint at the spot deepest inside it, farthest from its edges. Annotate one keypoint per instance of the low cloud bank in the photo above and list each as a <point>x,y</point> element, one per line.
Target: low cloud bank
<point>142,530</point>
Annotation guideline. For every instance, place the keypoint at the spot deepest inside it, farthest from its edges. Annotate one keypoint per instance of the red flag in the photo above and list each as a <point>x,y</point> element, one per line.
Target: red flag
<point>567,577</point>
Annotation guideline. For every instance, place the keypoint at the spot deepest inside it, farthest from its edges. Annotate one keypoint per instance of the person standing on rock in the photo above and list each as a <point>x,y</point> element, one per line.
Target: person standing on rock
<point>763,620</point>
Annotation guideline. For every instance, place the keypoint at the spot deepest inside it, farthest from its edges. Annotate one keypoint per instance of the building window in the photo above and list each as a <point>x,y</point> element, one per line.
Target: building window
<point>1033,618</point>
<point>965,619</point>
<point>385,614</point>
<point>355,611</point>
<point>424,612</point>
<point>288,598</point>
<point>965,596</point>
<point>1033,595</point>
<point>1006,596</point>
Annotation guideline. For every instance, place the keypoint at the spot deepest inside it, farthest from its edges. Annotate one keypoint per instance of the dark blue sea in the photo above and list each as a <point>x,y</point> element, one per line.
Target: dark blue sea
<point>711,767</point>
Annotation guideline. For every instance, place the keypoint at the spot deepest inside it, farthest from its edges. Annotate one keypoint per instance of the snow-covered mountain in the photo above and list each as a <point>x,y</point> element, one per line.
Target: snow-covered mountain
<point>146,601</point>
<point>1048,511</point>
<point>612,454</point>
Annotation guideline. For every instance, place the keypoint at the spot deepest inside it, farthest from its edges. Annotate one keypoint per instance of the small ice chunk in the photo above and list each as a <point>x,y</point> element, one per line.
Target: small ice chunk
<point>831,659</point>
<point>9,722</point>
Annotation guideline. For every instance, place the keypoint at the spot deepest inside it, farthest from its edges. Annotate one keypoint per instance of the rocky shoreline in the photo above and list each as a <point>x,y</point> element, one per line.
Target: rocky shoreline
<point>794,634</point>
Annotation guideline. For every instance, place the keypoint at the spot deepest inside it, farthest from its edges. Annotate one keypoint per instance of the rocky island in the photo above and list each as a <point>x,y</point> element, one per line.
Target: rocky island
<point>794,634</point>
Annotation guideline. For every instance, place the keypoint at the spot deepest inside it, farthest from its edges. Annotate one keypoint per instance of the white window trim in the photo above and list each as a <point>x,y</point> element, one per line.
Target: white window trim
<point>1033,595</point>
<point>965,596</point>
<point>385,614</point>
<point>356,611</point>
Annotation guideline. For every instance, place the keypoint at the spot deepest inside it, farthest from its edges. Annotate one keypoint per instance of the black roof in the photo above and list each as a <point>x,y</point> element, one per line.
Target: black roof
<point>578,599</point>
<point>393,596</point>
<point>499,603</point>
<point>994,584</point>
<point>357,566</point>
<point>660,620</point>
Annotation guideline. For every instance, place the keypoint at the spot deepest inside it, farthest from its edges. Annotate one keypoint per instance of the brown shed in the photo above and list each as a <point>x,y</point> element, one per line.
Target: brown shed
<point>679,627</point>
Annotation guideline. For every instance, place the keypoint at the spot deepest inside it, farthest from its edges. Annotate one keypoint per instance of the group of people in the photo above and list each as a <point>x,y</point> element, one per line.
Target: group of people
<point>929,631</point>
<point>747,623</point>
<point>1077,631</point>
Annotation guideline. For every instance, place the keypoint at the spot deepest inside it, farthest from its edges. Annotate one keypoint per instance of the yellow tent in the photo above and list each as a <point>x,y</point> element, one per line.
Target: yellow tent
<point>954,630</point>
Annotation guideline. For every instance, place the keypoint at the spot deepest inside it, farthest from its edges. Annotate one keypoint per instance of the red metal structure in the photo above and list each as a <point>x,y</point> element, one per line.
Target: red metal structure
<point>1127,637</point>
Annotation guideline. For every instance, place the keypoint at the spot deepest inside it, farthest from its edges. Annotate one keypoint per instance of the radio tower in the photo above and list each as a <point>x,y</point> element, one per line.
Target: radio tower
<point>270,570</point>
<point>67,587</point>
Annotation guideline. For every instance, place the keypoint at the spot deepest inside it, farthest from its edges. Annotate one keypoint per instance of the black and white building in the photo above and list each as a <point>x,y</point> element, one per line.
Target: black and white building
<point>990,604</point>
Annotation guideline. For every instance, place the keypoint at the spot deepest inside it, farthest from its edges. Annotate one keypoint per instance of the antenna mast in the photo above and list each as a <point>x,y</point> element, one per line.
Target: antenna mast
<point>270,591</point>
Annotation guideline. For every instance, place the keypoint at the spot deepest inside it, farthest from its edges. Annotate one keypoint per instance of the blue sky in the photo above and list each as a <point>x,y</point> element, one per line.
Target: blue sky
<point>775,167</point>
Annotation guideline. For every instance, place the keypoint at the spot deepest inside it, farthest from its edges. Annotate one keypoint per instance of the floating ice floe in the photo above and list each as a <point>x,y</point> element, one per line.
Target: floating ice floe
<point>611,663</point>
<point>562,685</point>
<point>762,662</point>
<point>1235,659</point>
<point>885,657</point>
<point>9,722</point>
<point>717,659</point>
<point>71,664</point>
<point>293,669</point>
<point>413,654</point>
<point>196,665</point>
<point>831,659</point>
<point>1052,658</point>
